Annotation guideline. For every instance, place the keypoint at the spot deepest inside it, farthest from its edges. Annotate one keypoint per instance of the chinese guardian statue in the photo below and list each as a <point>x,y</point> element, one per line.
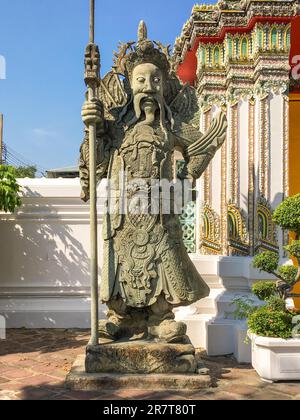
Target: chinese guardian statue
<point>143,114</point>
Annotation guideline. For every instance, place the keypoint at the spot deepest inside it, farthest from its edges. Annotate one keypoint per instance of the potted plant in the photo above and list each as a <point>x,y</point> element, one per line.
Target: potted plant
<point>273,328</point>
<point>287,216</point>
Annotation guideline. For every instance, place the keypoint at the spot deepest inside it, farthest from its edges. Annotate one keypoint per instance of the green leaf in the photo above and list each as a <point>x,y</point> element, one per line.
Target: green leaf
<point>288,273</point>
<point>264,289</point>
<point>266,261</point>
<point>294,249</point>
<point>268,323</point>
<point>9,189</point>
<point>287,214</point>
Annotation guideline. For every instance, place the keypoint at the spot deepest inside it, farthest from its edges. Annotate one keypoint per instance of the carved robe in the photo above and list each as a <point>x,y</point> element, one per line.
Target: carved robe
<point>144,255</point>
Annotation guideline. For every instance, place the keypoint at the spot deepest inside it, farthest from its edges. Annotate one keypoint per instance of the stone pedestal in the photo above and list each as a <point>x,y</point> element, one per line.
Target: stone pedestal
<point>79,379</point>
<point>138,365</point>
<point>141,357</point>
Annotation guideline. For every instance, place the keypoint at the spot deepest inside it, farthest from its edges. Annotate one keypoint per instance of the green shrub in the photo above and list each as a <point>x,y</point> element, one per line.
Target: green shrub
<point>288,273</point>
<point>266,261</point>
<point>287,214</point>
<point>26,171</point>
<point>273,319</point>
<point>264,289</point>
<point>294,249</point>
<point>276,304</point>
<point>266,323</point>
<point>9,189</point>
<point>244,306</point>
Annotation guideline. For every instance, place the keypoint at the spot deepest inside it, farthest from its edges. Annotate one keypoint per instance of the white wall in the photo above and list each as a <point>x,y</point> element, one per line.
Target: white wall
<point>243,148</point>
<point>44,256</point>
<point>216,184</point>
<point>276,149</point>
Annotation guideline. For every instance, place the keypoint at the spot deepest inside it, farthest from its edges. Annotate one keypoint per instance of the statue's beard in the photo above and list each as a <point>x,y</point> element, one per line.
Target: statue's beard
<point>140,105</point>
<point>144,115</point>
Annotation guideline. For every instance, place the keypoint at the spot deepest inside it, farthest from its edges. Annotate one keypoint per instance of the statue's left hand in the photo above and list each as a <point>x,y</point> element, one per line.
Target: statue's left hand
<point>201,152</point>
<point>212,139</point>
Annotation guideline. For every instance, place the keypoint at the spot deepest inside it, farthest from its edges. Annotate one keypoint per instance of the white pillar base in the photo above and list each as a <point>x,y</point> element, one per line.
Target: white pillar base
<point>210,321</point>
<point>219,336</point>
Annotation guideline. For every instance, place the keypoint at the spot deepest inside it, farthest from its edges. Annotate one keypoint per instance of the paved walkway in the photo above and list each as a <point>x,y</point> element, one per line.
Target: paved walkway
<point>34,363</point>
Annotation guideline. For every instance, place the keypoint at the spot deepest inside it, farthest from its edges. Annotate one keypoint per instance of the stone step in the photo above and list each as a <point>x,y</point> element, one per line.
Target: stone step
<point>78,379</point>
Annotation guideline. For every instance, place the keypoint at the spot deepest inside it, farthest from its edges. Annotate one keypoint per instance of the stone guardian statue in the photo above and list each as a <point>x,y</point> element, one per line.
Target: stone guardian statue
<point>143,114</point>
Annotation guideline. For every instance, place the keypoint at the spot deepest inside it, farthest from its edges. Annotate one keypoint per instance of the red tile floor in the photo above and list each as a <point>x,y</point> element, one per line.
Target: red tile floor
<point>34,364</point>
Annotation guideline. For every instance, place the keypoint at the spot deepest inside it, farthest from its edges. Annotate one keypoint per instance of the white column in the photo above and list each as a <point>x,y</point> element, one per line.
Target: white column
<point>216,183</point>
<point>276,149</point>
<point>277,155</point>
<point>243,148</point>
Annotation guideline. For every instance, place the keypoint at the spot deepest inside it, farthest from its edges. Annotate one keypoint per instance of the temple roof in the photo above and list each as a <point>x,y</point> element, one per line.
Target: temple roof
<point>211,22</point>
<point>67,172</point>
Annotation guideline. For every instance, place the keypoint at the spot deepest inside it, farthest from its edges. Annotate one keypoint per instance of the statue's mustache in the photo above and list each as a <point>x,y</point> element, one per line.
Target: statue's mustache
<point>139,97</point>
<point>162,106</point>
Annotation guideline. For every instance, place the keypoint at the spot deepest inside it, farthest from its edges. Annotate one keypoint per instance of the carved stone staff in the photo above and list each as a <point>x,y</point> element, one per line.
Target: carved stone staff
<point>92,80</point>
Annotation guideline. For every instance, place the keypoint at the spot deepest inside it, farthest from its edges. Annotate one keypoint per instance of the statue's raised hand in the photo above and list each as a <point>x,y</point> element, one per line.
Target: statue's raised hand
<point>199,153</point>
<point>92,112</point>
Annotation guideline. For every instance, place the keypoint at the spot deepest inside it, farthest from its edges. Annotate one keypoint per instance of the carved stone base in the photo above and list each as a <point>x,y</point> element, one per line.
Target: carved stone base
<point>79,380</point>
<point>141,357</point>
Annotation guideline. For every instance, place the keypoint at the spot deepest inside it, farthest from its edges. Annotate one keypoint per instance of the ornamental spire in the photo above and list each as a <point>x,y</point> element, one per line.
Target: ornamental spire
<point>142,31</point>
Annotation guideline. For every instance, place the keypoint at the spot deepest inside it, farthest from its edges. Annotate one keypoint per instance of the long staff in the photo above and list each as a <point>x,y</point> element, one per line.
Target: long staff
<point>92,79</point>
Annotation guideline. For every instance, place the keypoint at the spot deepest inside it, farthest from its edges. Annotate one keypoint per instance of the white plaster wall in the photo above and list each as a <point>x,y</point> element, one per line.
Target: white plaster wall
<point>256,144</point>
<point>216,184</point>
<point>243,147</point>
<point>200,182</point>
<point>276,155</point>
<point>44,257</point>
<point>276,149</point>
<point>229,153</point>
<point>199,204</point>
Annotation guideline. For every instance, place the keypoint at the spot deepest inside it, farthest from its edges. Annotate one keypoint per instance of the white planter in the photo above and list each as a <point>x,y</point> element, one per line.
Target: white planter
<point>275,359</point>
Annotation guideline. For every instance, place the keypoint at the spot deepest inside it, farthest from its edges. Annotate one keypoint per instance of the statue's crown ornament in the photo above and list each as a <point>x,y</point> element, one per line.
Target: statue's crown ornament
<point>143,51</point>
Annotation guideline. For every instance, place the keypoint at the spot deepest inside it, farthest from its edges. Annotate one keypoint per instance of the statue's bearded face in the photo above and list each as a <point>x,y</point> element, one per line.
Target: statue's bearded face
<point>147,85</point>
<point>147,88</point>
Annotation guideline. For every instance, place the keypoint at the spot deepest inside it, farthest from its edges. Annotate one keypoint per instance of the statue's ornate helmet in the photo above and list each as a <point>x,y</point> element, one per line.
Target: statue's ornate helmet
<point>132,54</point>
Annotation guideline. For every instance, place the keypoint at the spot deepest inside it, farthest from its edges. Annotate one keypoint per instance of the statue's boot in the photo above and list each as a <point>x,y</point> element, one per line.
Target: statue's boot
<point>108,330</point>
<point>161,323</point>
<point>123,322</point>
<point>169,331</point>
<point>111,331</point>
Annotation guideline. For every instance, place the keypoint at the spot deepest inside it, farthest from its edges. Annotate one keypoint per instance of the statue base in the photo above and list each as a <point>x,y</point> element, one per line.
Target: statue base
<point>141,357</point>
<point>79,380</point>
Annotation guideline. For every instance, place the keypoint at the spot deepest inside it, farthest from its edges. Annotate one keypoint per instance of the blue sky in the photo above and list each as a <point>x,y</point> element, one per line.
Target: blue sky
<point>43,43</point>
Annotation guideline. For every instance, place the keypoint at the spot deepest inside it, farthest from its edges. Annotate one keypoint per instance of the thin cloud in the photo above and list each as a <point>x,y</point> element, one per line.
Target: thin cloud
<point>41,132</point>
